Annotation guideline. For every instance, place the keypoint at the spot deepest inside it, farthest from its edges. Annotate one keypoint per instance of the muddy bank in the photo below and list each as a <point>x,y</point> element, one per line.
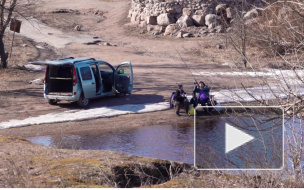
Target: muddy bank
<point>24,164</point>
<point>31,165</point>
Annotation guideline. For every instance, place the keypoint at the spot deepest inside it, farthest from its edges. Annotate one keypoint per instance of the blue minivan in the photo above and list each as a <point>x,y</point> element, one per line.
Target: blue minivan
<point>79,80</point>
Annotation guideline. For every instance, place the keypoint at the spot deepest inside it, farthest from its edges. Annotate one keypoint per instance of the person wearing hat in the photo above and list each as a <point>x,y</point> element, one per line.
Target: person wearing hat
<point>203,90</point>
<point>181,100</point>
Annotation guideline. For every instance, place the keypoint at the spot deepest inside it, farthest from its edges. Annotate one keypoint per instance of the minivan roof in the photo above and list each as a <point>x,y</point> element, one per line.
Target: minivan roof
<point>64,61</point>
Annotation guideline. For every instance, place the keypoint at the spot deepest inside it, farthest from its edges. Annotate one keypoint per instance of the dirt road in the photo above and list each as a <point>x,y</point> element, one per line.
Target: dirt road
<point>156,62</point>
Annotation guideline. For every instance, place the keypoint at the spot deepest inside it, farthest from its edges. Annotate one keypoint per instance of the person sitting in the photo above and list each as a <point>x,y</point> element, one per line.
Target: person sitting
<point>203,94</point>
<point>180,99</point>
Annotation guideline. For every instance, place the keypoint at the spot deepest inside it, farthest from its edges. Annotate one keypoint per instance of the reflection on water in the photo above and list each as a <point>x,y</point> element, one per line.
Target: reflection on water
<point>169,142</point>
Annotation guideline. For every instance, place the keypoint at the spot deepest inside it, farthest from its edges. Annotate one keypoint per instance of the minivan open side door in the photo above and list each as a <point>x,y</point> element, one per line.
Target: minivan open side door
<point>87,81</point>
<point>124,78</point>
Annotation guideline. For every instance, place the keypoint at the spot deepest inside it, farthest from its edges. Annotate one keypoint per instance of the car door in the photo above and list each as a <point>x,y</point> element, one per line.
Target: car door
<point>87,81</point>
<point>124,78</point>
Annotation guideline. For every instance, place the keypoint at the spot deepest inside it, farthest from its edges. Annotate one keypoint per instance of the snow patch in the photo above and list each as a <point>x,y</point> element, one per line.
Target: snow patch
<point>34,67</point>
<point>93,113</point>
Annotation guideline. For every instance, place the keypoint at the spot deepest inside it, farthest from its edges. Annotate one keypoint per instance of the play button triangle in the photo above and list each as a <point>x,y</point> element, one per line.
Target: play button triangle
<point>235,138</point>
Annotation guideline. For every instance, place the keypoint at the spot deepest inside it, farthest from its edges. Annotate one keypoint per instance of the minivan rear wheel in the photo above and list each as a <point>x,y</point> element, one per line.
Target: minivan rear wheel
<point>120,94</point>
<point>83,102</point>
<point>52,101</point>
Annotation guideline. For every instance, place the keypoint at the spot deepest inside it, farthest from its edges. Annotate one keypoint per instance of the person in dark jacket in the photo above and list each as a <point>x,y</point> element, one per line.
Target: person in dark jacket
<point>203,93</point>
<point>180,99</point>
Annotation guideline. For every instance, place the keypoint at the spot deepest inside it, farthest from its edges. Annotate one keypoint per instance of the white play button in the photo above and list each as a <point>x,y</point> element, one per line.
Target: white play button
<point>235,138</point>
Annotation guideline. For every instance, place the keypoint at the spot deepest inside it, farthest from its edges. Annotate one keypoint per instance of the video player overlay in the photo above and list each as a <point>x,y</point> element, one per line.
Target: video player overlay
<point>239,138</point>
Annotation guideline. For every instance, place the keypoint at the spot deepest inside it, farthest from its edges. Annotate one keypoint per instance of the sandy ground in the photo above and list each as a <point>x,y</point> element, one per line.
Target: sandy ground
<point>157,65</point>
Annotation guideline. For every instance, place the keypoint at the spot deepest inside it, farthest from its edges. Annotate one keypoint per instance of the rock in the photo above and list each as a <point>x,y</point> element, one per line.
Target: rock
<point>220,46</point>
<point>150,28</point>
<point>197,35</point>
<point>34,67</point>
<point>37,82</point>
<point>204,32</point>
<point>156,28</point>
<point>251,14</point>
<point>39,47</point>
<point>219,8</point>
<point>219,29</point>
<point>171,29</point>
<point>143,31</point>
<point>106,44</point>
<point>184,21</point>
<point>187,35</point>
<point>198,20</point>
<point>254,21</point>
<point>187,11</point>
<point>155,33</point>
<point>201,12</point>
<point>135,18</point>
<point>93,43</point>
<point>143,24</point>
<point>77,28</point>
<point>165,19</point>
<point>229,13</point>
<point>151,20</point>
<point>211,20</point>
<point>180,34</point>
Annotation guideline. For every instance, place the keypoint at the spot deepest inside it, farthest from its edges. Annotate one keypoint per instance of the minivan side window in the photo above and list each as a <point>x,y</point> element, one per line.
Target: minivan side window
<point>86,73</point>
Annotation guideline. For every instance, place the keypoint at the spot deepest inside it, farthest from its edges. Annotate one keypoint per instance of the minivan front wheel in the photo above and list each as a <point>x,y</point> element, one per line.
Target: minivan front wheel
<point>83,102</point>
<point>52,101</point>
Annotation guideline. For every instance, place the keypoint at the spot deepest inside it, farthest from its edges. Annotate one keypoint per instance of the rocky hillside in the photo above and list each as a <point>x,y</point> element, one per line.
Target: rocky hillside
<point>187,18</point>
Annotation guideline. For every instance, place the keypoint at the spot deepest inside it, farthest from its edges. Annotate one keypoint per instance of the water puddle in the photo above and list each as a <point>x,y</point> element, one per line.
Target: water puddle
<point>168,142</point>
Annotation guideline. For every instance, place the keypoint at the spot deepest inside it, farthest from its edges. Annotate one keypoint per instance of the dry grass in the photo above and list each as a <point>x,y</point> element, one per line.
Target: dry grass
<point>37,166</point>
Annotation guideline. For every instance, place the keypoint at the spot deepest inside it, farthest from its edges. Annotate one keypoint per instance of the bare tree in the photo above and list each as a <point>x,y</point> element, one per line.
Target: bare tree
<point>239,34</point>
<point>6,12</point>
<point>279,33</point>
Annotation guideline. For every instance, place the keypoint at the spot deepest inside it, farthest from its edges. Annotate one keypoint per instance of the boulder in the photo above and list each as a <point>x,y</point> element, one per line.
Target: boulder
<point>155,28</point>
<point>135,18</point>
<point>219,29</point>
<point>77,28</point>
<point>187,35</point>
<point>171,29</point>
<point>180,34</point>
<point>203,12</point>
<point>198,20</point>
<point>165,19</point>
<point>187,11</point>
<point>151,20</point>
<point>37,82</point>
<point>219,8</point>
<point>184,21</point>
<point>251,14</point>
<point>211,20</point>
<point>229,13</point>
<point>143,24</point>
<point>155,33</point>
<point>150,28</point>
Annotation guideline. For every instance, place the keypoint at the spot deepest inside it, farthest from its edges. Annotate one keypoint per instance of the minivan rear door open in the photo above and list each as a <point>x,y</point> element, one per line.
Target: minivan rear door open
<point>88,82</point>
<point>124,78</point>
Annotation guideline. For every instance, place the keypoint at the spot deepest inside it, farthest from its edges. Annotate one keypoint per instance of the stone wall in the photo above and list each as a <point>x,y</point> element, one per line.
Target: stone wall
<point>169,17</point>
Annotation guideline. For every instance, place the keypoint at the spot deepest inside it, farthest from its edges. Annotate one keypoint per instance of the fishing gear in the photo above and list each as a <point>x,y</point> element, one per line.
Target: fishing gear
<point>185,64</point>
